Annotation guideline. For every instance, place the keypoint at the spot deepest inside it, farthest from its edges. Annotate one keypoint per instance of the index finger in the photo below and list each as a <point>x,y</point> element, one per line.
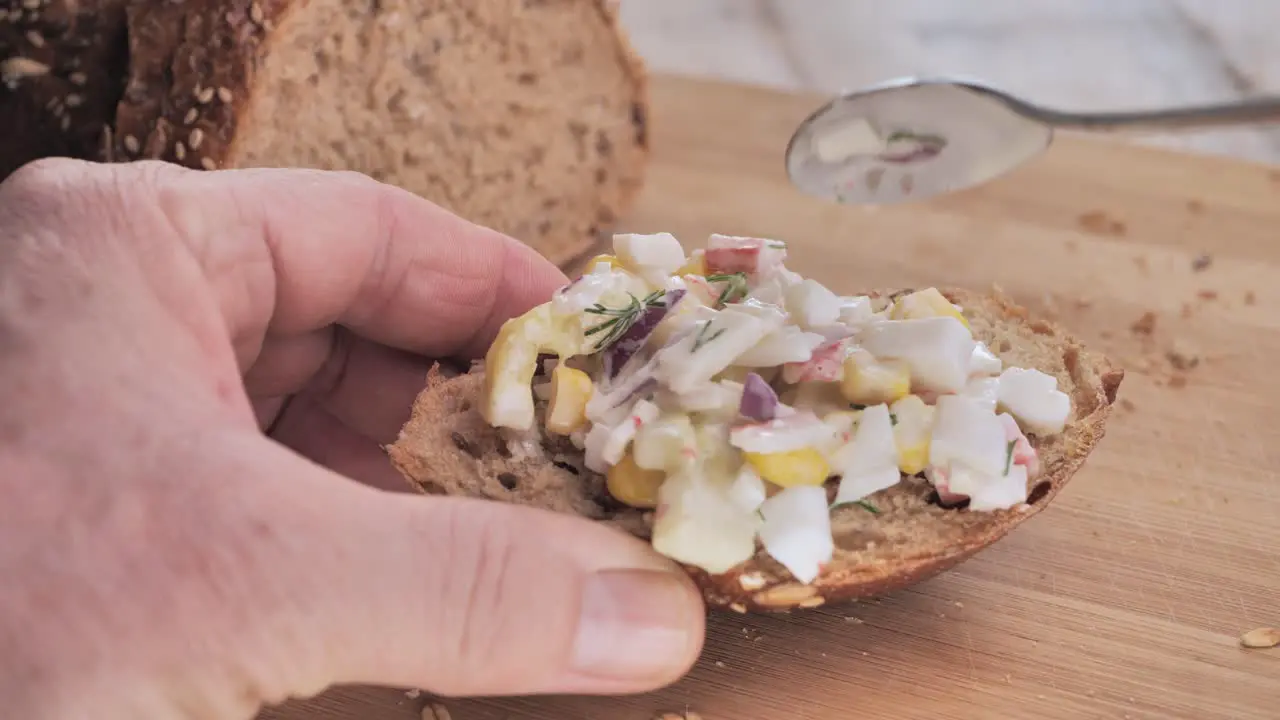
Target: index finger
<point>289,251</point>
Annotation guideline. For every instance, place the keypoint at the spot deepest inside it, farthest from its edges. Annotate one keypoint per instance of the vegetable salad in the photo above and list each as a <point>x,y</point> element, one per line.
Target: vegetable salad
<point>725,391</point>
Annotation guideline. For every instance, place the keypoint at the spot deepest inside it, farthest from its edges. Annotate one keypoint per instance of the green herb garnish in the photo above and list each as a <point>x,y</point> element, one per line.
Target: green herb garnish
<point>857,406</point>
<point>621,319</point>
<point>893,418</point>
<point>735,287</point>
<point>865,505</point>
<point>704,336</point>
<point>1008,460</point>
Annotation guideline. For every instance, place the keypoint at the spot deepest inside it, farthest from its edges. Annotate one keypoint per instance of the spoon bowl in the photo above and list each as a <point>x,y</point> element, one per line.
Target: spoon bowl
<point>913,138</point>
<point>910,139</point>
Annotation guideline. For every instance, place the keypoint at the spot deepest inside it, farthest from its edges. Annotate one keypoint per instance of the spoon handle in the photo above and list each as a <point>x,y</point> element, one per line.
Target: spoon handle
<point>1241,112</point>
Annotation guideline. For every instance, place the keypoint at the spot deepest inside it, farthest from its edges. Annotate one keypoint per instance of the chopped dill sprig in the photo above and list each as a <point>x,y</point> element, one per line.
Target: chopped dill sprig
<point>735,287</point>
<point>621,319</point>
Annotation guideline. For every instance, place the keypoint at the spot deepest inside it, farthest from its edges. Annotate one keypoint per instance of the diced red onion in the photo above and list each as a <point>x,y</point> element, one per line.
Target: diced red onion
<point>759,401</point>
<point>617,354</point>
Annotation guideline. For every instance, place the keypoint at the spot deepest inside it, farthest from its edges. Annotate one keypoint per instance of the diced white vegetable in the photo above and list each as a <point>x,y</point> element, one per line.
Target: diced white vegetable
<point>797,530</point>
<point>663,443</point>
<point>983,361</point>
<point>855,310</point>
<point>1033,398</point>
<point>967,432</point>
<point>660,251</point>
<point>856,487</point>
<point>622,434</point>
<point>798,430</point>
<point>811,304</point>
<point>698,524</point>
<point>748,489</point>
<point>712,347</point>
<point>593,448</point>
<point>938,350</point>
<point>872,448</point>
<point>721,397</point>
<point>1023,453</point>
<point>983,389</point>
<point>1000,493</point>
<point>785,345</point>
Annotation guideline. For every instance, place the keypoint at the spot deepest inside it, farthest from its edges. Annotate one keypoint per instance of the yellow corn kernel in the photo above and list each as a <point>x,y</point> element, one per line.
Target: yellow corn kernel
<point>696,265</point>
<point>925,303</point>
<point>632,485</point>
<point>570,391</point>
<point>914,421</point>
<point>613,261</point>
<point>868,381</point>
<point>805,466</point>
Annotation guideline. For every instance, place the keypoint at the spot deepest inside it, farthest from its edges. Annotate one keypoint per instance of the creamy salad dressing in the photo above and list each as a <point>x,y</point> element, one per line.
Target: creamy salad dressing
<point>724,391</point>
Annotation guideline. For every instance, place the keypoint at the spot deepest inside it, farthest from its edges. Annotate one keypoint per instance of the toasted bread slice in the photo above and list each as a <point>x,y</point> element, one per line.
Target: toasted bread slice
<point>447,448</point>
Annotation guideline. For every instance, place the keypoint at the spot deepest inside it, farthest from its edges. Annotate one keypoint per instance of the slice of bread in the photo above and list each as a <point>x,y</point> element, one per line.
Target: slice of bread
<point>527,116</point>
<point>447,448</point>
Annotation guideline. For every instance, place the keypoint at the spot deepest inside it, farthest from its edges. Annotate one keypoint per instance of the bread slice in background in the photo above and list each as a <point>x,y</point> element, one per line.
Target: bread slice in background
<point>447,448</point>
<point>528,116</point>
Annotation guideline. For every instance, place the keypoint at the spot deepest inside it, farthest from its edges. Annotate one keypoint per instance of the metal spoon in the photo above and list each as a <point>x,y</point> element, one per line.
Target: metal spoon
<point>914,138</point>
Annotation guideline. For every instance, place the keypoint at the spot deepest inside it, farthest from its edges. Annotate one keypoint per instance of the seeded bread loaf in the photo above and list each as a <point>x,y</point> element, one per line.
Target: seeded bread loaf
<point>447,448</point>
<point>528,116</point>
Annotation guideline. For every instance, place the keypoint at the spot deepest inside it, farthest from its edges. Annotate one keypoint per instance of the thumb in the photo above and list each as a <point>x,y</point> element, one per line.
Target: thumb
<point>469,597</point>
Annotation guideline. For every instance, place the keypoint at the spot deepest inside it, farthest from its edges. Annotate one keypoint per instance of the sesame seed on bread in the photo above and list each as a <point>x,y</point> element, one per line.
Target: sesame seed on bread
<point>527,116</point>
<point>446,447</point>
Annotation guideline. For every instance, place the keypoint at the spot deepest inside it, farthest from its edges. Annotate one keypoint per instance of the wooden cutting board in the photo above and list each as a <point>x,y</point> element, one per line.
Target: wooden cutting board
<point>1124,599</point>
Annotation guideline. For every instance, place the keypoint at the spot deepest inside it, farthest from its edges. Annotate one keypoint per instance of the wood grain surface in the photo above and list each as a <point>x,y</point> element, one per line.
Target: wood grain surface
<point>1124,599</point>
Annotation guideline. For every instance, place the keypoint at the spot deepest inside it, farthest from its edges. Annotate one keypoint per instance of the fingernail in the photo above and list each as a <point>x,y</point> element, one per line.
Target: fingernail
<point>635,624</point>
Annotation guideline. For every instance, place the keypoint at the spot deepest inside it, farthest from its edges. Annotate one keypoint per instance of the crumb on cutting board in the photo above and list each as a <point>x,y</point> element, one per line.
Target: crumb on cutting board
<point>1261,638</point>
<point>1201,262</point>
<point>436,711</point>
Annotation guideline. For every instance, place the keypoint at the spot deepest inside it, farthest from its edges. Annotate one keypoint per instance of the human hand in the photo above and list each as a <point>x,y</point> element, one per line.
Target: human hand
<point>162,557</point>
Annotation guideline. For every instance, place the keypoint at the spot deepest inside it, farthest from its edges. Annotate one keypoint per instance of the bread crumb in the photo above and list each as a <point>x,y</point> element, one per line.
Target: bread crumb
<point>1182,356</point>
<point>1207,294</point>
<point>958,604</point>
<point>413,693</point>
<point>1144,325</point>
<point>1250,298</point>
<point>854,620</point>
<point>719,663</point>
<point>1177,381</point>
<point>686,715</point>
<point>1261,638</point>
<point>1201,263</point>
<point>436,711</point>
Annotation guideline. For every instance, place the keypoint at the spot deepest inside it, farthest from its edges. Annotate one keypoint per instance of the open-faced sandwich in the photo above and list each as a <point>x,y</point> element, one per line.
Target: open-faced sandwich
<point>788,445</point>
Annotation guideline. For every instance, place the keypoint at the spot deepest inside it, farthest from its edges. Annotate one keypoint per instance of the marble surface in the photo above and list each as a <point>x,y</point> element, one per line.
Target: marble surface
<point>1076,54</point>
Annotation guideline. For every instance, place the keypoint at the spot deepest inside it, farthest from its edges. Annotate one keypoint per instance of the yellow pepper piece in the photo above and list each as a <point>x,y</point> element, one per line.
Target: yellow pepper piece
<point>696,265</point>
<point>512,360</point>
<point>867,381</point>
<point>925,303</point>
<point>613,261</point>
<point>805,466</point>
<point>632,485</point>
<point>570,390</point>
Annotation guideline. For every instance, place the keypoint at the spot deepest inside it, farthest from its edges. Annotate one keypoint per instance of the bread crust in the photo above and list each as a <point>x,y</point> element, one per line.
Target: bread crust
<point>61,65</point>
<point>932,539</point>
<point>191,96</point>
